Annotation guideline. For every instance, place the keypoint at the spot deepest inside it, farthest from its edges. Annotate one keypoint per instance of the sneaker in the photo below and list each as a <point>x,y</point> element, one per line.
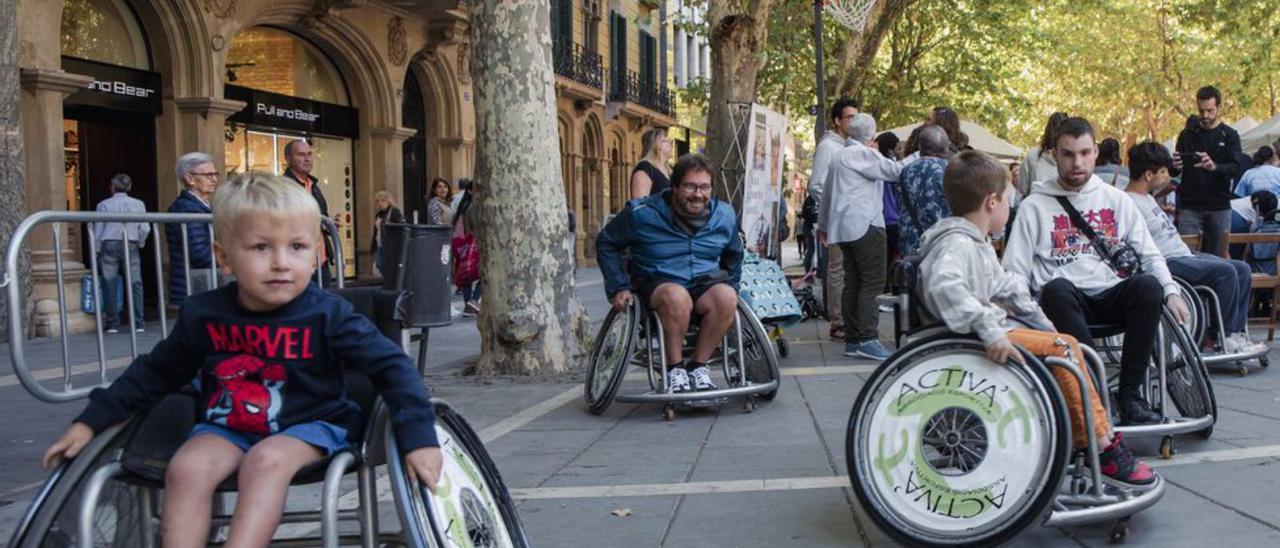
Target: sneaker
<point>140,330</point>
<point>871,350</point>
<point>1119,464</point>
<point>1239,343</point>
<point>836,333</point>
<point>1136,410</point>
<point>472,308</point>
<point>113,330</point>
<point>886,308</point>
<point>678,381</point>
<point>702,379</point>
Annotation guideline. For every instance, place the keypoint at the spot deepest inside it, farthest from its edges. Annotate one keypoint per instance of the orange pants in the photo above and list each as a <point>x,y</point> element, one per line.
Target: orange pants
<point>1045,344</point>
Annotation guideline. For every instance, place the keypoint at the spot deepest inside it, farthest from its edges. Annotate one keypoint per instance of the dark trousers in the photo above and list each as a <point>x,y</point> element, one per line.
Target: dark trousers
<point>864,275</point>
<point>1134,303</point>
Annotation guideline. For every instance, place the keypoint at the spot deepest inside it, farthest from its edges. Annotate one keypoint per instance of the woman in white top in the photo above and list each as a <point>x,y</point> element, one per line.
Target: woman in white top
<point>1039,164</point>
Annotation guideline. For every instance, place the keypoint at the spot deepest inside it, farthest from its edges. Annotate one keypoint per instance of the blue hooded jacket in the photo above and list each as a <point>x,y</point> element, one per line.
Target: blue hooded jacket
<point>661,250</point>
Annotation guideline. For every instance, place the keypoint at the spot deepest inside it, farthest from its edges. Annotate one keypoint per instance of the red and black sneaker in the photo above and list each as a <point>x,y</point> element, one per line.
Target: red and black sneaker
<point>1119,464</point>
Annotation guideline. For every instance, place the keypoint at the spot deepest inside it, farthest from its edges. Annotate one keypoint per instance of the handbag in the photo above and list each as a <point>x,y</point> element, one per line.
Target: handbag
<point>1120,256</point>
<point>466,257</point>
<point>89,301</point>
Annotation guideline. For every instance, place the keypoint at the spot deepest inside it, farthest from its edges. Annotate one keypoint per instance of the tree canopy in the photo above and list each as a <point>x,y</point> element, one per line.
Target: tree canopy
<point>1130,66</point>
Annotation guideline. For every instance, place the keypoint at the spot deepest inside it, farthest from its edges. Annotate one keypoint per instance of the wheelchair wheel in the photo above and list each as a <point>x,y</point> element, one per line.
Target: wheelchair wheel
<point>609,357</point>
<point>945,448</point>
<point>1200,319</point>
<point>758,351</point>
<point>1189,387</point>
<point>118,520</point>
<point>470,507</point>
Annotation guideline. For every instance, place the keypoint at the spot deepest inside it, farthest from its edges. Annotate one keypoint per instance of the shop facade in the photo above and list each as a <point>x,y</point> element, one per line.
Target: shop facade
<point>127,86</point>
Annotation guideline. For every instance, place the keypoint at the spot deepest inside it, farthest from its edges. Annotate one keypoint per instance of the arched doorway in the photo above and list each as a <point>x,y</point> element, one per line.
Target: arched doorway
<point>619,176</point>
<point>413,115</point>
<point>110,127</point>
<point>292,92</point>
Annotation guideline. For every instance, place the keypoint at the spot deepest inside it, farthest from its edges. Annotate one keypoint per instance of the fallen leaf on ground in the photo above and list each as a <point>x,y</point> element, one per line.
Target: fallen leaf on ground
<point>621,512</point>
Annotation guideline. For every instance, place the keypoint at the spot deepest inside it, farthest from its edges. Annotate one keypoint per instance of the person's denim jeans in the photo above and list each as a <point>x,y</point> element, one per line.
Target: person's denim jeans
<point>1213,226</point>
<point>111,261</point>
<point>471,293</point>
<point>1230,280</point>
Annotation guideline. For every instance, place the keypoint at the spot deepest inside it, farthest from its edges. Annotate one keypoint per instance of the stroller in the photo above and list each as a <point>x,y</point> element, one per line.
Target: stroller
<point>769,294</point>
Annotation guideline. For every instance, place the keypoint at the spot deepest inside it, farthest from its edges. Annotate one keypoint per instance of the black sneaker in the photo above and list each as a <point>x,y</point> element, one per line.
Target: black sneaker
<point>1136,410</point>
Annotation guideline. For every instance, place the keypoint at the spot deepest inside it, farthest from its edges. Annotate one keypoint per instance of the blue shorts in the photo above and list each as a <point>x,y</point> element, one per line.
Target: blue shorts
<point>324,436</point>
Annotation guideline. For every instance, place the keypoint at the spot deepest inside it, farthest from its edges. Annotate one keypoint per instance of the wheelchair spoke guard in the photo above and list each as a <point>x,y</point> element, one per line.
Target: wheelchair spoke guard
<point>609,357</point>
<point>471,507</point>
<point>947,448</point>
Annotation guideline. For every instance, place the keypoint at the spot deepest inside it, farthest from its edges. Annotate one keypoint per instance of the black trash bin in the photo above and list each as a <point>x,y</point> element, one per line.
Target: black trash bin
<point>423,272</point>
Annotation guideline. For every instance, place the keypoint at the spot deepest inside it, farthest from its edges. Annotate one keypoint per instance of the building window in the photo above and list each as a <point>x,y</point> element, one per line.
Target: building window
<point>617,42</point>
<point>648,59</point>
<point>591,25</point>
<point>562,21</point>
<point>103,30</point>
<point>274,60</point>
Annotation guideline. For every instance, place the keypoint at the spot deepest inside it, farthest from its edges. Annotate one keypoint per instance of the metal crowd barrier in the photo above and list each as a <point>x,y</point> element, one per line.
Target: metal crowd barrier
<point>56,220</point>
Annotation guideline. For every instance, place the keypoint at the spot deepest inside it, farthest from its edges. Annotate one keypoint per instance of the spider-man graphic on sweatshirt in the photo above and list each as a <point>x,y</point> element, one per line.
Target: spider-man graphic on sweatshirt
<point>262,372</point>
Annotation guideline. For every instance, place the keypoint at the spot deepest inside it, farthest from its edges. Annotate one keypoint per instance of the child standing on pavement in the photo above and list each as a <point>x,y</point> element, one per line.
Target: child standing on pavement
<point>269,351</point>
<point>964,284</point>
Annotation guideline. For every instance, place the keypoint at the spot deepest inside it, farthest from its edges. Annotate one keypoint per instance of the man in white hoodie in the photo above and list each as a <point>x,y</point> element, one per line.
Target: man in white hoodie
<point>836,138</point>
<point>1077,285</point>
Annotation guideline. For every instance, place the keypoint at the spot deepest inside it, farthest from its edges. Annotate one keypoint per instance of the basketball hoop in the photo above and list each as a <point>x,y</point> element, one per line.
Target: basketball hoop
<point>852,14</point>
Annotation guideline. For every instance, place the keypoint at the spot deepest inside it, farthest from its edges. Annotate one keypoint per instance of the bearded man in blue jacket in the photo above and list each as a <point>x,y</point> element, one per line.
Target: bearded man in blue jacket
<point>685,258</point>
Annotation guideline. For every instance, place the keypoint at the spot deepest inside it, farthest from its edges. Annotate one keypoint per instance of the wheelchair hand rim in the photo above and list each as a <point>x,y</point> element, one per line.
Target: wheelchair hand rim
<point>609,357</point>
<point>913,488</point>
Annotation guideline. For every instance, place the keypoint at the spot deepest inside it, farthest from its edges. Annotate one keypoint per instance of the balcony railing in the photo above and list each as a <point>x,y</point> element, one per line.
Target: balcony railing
<point>578,64</point>
<point>626,85</point>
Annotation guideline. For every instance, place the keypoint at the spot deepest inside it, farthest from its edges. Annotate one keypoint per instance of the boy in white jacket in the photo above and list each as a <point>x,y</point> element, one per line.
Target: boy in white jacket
<point>963,283</point>
<point>1078,286</point>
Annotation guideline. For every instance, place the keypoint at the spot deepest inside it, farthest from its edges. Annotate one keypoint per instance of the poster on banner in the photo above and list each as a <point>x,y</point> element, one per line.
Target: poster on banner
<point>762,185</point>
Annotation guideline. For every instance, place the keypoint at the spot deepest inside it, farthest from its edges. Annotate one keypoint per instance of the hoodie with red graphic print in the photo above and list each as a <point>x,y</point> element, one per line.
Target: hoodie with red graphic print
<point>1044,245</point>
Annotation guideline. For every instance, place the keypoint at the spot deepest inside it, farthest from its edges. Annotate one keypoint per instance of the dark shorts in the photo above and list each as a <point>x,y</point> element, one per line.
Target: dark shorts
<point>696,289</point>
<point>328,438</point>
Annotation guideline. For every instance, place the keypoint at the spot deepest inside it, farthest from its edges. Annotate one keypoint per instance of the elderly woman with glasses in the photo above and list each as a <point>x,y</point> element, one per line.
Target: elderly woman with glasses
<point>198,177</point>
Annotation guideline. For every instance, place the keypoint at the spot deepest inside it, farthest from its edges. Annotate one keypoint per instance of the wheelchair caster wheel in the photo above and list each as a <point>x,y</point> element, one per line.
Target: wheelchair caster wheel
<point>1119,531</point>
<point>783,348</point>
<point>1243,371</point>
<point>749,406</point>
<point>1166,448</point>
<point>1264,362</point>
<point>669,413</point>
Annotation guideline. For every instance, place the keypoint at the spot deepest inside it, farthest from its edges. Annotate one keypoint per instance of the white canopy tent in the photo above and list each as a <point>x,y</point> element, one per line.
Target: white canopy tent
<point>1265,134</point>
<point>979,139</point>
<point>1245,125</point>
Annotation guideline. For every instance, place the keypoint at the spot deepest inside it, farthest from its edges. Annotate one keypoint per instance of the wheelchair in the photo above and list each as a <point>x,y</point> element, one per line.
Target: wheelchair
<point>1206,322</point>
<point>945,448</point>
<point>109,494</point>
<point>1177,380</point>
<point>633,336</point>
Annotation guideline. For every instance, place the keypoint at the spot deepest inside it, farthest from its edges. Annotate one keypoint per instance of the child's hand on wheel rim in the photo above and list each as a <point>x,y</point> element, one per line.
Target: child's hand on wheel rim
<point>1001,351</point>
<point>69,445</point>
<point>424,464</point>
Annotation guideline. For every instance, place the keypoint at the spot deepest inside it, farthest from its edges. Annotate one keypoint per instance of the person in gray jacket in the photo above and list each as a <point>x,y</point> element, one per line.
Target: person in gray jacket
<point>833,141</point>
<point>962,282</point>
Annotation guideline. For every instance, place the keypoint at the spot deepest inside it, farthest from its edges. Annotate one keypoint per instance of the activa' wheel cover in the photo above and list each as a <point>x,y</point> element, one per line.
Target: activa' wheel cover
<point>464,507</point>
<point>956,446</point>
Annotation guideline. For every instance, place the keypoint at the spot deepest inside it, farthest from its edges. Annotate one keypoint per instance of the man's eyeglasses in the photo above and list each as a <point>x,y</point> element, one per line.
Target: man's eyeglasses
<point>694,188</point>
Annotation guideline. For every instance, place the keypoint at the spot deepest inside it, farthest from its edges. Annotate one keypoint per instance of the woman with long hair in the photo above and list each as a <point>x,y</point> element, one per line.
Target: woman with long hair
<point>949,121</point>
<point>1039,164</point>
<point>652,173</point>
<point>1109,167</point>
<point>439,210</point>
<point>462,233</point>
<point>384,211</point>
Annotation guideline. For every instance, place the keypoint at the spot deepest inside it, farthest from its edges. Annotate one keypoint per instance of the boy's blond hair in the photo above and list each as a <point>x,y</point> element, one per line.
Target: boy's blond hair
<point>260,193</point>
<point>970,177</point>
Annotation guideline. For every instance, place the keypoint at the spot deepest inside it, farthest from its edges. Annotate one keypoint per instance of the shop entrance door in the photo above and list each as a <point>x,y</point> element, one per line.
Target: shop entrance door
<point>98,144</point>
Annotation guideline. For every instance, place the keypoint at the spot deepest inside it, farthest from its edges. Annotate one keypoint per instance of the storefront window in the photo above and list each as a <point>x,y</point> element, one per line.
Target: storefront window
<point>105,31</point>
<point>263,150</point>
<point>277,61</point>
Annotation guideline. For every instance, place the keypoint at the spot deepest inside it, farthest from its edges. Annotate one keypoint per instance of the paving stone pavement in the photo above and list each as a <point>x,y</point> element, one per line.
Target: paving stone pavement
<point>724,477</point>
